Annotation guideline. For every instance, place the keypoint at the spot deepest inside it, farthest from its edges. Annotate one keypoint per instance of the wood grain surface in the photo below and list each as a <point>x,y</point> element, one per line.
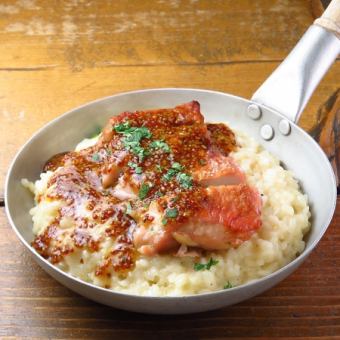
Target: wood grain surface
<point>55,55</point>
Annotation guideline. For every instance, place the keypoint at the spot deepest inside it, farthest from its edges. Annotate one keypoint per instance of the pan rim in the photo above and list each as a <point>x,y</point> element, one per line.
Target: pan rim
<point>190,297</point>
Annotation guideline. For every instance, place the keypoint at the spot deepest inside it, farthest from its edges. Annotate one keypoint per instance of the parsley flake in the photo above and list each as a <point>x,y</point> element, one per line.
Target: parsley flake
<point>199,266</point>
<point>143,191</point>
<point>134,166</point>
<point>228,285</point>
<point>164,221</point>
<point>159,194</point>
<point>171,213</point>
<point>132,138</point>
<point>184,180</point>
<point>159,144</point>
<point>169,175</point>
<point>123,127</point>
<point>96,157</point>
<point>140,152</point>
<point>205,266</point>
<point>173,171</point>
<point>177,166</point>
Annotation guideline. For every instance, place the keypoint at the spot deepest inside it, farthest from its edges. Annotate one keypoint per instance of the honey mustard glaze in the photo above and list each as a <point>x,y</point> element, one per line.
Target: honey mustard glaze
<point>165,158</point>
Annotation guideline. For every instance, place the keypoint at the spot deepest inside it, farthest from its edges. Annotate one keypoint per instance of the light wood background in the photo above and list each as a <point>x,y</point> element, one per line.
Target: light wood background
<point>55,55</point>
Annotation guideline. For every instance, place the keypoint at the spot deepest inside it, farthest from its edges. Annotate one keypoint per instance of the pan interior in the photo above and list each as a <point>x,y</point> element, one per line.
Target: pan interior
<point>298,152</point>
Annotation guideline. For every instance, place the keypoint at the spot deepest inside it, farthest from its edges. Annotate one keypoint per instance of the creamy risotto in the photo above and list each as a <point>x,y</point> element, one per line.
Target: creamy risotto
<point>284,215</point>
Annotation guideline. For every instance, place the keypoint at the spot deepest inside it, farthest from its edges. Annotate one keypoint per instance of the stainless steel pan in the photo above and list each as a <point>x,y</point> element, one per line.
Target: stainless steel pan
<point>269,117</point>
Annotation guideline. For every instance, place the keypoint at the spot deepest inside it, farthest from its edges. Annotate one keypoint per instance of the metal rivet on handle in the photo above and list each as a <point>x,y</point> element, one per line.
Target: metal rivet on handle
<point>284,127</point>
<point>254,112</point>
<point>267,132</point>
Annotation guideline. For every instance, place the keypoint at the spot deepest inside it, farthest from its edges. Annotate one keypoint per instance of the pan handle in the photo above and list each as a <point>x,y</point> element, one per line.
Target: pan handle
<point>289,87</point>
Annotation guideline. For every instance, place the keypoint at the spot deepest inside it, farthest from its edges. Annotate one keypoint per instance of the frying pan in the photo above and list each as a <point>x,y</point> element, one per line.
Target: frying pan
<point>269,117</point>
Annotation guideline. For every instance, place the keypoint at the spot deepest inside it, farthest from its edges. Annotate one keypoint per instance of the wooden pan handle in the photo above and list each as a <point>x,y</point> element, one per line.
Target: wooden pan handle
<point>330,19</point>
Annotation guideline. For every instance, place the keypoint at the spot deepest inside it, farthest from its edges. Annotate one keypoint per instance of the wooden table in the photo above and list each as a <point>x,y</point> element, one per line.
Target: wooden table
<point>55,55</point>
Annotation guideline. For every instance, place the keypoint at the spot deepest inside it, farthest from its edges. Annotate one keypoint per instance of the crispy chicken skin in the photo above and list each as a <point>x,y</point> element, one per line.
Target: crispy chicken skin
<point>219,170</point>
<point>228,216</point>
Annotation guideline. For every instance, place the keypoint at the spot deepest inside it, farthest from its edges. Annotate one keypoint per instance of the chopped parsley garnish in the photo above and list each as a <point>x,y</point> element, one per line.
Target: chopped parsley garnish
<point>169,175</point>
<point>164,221</point>
<point>134,166</point>
<point>184,180</point>
<point>176,166</point>
<point>173,171</point>
<point>159,194</point>
<point>199,266</point>
<point>228,285</point>
<point>140,152</point>
<point>205,266</point>
<point>143,191</point>
<point>171,213</point>
<point>123,128</point>
<point>96,157</point>
<point>159,144</point>
<point>137,132</point>
<point>132,138</point>
<point>202,161</point>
